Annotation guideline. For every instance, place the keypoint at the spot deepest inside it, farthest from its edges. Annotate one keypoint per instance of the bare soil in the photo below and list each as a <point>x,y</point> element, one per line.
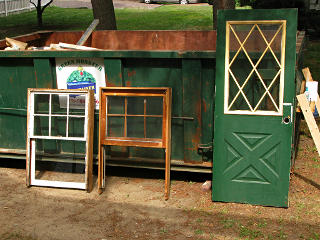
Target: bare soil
<point>134,208</point>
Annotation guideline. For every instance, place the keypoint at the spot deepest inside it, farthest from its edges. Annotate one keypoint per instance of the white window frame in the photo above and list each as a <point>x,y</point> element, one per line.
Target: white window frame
<point>87,136</point>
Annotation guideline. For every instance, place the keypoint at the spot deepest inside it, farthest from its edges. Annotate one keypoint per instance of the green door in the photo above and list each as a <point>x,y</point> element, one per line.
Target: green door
<point>255,94</point>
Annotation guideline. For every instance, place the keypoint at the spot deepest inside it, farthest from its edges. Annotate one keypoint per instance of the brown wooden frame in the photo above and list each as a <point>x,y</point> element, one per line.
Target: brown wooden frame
<point>164,142</point>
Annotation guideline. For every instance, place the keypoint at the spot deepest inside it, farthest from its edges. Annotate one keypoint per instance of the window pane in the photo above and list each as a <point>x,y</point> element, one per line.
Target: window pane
<point>135,127</point>
<point>115,127</point>
<point>154,127</point>
<point>59,104</point>
<point>57,160</point>
<point>154,105</point>
<point>58,126</point>
<point>115,105</point>
<point>41,126</point>
<point>41,103</point>
<point>77,104</point>
<point>255,67</point>
<point>135,105</point>
<point>76,127</point>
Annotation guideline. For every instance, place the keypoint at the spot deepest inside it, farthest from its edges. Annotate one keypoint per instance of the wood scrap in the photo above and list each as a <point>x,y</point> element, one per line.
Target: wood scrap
<point>307,74</point>
<point>76,47</point>
<point>311,122</point>
<point>88,32</point>
<point>15,44</point>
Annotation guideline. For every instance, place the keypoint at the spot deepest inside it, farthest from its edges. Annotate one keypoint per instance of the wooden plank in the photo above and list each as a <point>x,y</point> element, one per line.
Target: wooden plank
<point>88,32</point>
<point>307,74</point>
<point>168,146</point>
<point>102,135</point>
<point>89,142</point>
<point>28,145</point>
<point>306,110</point>
<point>76,47</point>
<point>15,44</point>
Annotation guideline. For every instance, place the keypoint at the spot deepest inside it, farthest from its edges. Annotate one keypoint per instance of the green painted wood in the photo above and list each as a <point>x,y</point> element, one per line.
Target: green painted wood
<point>114,72</point>
<point>207,106</point>
<point>192,101</point>
<point>43,73</point>
<point>16,76</point>
<point>251,160</point>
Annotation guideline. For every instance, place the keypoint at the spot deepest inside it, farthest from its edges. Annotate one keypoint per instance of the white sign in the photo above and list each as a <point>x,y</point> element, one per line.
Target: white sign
<point>312,91</point>
<point>80,73</point>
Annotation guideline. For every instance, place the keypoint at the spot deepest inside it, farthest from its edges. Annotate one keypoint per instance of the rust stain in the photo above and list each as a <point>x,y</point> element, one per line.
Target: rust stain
<point>36,78</point>
<point>120,75</point>
<point>128,83</point>
<point>204,104</point>
<point>11,80</point>
<point>48,85</point>
<point>131,73</point>
<point>110,84</point>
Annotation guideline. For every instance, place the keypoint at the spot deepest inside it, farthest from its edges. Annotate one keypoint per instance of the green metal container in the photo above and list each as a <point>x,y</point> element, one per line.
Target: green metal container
<point>182,60</point>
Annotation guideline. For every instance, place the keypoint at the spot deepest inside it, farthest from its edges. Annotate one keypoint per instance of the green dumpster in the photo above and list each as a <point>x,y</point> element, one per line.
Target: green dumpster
<point>182,60</point>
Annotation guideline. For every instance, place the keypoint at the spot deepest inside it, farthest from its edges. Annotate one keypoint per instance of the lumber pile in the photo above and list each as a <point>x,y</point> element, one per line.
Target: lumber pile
<point>15,45</point>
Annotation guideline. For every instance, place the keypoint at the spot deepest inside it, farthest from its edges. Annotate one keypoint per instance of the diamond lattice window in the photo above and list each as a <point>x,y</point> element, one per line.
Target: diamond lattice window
<point>255,53</point>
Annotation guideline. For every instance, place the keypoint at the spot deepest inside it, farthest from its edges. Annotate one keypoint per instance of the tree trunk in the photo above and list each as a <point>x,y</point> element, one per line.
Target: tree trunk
<point>104,11</point>
<point>39,14</point>
<point>221,4</point>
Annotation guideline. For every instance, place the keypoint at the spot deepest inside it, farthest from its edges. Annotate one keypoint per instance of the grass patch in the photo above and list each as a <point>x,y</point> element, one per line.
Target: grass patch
<point>167,17</point>
<point>15,236</point>
<point>249,233</point>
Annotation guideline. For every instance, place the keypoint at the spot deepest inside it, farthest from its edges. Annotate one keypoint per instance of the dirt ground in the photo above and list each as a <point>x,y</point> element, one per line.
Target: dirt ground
<point>134,208</point>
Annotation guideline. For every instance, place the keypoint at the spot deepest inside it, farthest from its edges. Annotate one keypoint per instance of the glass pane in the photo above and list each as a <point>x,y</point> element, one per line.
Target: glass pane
<point>154,105</point>
<point>41,126</point>
<point>76,127</point>
<point>77,104</point>
<point>239,32</point>
<point>270,32</point>
<point>154,127</point>
<point>60,160</point>
<point>59,104</point>
<point>58,126</point>
<point>135,105</point>
<point>115,105</point>
<point>41,103</point>
<point>115,127</point>
<point>135,127</point>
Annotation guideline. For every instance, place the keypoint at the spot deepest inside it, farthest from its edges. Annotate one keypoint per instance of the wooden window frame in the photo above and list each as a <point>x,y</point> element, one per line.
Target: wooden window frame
<point>164,142</point>
<point>87,138</point>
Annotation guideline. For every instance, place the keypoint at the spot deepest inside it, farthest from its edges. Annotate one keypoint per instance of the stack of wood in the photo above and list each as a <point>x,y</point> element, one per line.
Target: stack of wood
<point>15,44</point>
<point>18,45</point>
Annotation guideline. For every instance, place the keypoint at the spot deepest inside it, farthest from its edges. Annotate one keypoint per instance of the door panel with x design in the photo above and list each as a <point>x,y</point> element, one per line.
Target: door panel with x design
<point>254,160</point>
